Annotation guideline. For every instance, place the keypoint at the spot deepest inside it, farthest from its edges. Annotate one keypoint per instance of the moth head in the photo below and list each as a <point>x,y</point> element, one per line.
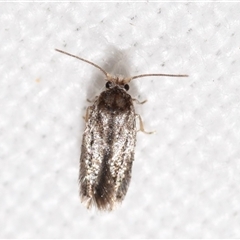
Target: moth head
<point>110,84</point>
<point>119,81</point>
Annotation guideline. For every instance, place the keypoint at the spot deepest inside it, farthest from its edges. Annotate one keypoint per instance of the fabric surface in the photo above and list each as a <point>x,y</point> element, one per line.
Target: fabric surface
<point>185,179</point>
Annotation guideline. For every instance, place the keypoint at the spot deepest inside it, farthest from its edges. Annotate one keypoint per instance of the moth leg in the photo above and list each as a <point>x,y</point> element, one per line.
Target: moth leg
<point>88,108</point>
<point>87,114</point>
<point>138,102</point>
<point>141,125</point>
<point>93,100</point>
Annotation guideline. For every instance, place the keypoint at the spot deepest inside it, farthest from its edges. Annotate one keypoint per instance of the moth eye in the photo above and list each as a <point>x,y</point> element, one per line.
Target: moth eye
<point>108,84</point>
<point>126,86</point>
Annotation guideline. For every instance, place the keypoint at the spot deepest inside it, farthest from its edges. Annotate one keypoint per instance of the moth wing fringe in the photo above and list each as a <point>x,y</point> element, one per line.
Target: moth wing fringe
<point>91,202</point>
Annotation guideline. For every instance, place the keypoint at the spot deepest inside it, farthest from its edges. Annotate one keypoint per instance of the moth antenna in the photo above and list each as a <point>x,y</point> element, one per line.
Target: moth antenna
<point>84,60</point>
<point>155,75</point>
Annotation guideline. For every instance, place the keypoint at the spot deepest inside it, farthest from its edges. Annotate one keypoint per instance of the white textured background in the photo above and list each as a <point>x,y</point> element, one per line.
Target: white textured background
<point>186,177</point>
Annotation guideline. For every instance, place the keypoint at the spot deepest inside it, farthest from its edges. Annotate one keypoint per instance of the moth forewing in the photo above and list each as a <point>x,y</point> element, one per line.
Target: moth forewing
<point>108,149</point>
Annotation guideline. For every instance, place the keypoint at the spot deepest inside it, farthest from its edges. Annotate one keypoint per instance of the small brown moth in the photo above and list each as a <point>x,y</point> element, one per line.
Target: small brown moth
<point>108,142</point>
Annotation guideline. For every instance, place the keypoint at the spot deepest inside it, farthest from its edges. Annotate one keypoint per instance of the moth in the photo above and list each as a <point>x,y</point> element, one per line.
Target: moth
<point>108,142</point>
